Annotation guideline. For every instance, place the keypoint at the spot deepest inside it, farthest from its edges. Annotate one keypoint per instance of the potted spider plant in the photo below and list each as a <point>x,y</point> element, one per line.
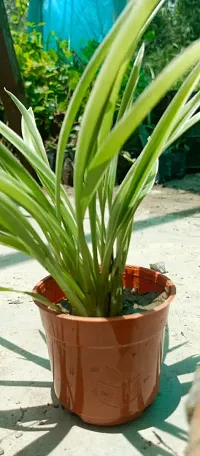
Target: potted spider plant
<point>106,365</point>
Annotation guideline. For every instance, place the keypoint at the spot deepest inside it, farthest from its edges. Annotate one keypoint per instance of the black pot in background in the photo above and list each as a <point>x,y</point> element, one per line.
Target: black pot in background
<point>178,163</point>
<point>165,165</point>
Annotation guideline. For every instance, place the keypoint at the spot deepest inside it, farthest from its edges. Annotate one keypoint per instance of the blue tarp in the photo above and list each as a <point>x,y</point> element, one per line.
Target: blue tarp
<point>77,20</point>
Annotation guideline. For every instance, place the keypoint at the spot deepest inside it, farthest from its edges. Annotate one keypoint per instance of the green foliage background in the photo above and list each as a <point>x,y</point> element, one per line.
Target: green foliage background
<point>51,70</point>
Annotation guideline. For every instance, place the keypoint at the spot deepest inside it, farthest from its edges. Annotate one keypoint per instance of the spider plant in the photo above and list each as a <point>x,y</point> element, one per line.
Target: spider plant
<point>58,239</point>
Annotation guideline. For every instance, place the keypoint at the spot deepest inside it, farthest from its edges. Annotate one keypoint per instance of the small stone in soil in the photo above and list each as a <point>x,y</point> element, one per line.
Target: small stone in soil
<point>159,267</point>
<point>41,423</point>
<point>65,306</point>
<point>18,434</point>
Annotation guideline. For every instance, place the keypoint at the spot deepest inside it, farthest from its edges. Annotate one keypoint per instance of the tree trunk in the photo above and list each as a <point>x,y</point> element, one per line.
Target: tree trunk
<point>10,79</point>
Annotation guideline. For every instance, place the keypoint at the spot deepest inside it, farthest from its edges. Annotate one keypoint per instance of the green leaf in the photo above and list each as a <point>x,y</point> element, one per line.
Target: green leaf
<point>19,172</point>
<point>44,172</point>
<point>80,93</point>
<point>29,130</point>
<point>183,127</point>
<point>41,108</point>
<point>129,36</point>
<point>132,119</point>
<point>132,83</point>
<point>131,188</point>
<point>13,242</point>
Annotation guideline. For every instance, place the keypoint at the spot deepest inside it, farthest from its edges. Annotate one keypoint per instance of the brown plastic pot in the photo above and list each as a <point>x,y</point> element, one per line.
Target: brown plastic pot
<point>107,370</point>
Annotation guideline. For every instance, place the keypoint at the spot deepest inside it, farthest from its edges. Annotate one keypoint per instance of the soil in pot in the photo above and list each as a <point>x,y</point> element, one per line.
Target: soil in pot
<point>132,302</point>
<point>138,303</point>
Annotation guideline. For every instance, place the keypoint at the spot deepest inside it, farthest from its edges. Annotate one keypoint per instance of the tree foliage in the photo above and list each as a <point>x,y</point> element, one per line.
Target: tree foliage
<point>174,28</point>
<point>186,21</point>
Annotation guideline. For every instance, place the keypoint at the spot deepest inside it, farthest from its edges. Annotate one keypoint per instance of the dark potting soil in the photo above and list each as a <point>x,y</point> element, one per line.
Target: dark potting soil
<point>65,306</point>
<point>139,303</point>
<point>132,302</point>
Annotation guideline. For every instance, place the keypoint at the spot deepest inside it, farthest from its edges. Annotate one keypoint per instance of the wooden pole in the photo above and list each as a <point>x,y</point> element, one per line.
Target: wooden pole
<point>10,79</point>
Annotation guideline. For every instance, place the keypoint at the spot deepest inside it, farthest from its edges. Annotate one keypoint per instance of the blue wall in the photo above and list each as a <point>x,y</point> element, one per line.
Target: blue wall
<point>77,20</point>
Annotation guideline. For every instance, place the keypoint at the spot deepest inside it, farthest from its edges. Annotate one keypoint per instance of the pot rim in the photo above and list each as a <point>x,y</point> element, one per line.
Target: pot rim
<point>169,287</point>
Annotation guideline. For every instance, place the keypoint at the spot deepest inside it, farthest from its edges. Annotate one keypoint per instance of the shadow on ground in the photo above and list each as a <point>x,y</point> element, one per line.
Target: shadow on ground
<point>190,183</point>
<point>164,219</point>
<point>57,423</point>
<point>13,258</point>
<point>159,220</point>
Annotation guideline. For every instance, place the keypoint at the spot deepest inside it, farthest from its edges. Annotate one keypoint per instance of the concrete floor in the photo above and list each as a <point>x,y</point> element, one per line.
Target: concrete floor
<point>167,228</point>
